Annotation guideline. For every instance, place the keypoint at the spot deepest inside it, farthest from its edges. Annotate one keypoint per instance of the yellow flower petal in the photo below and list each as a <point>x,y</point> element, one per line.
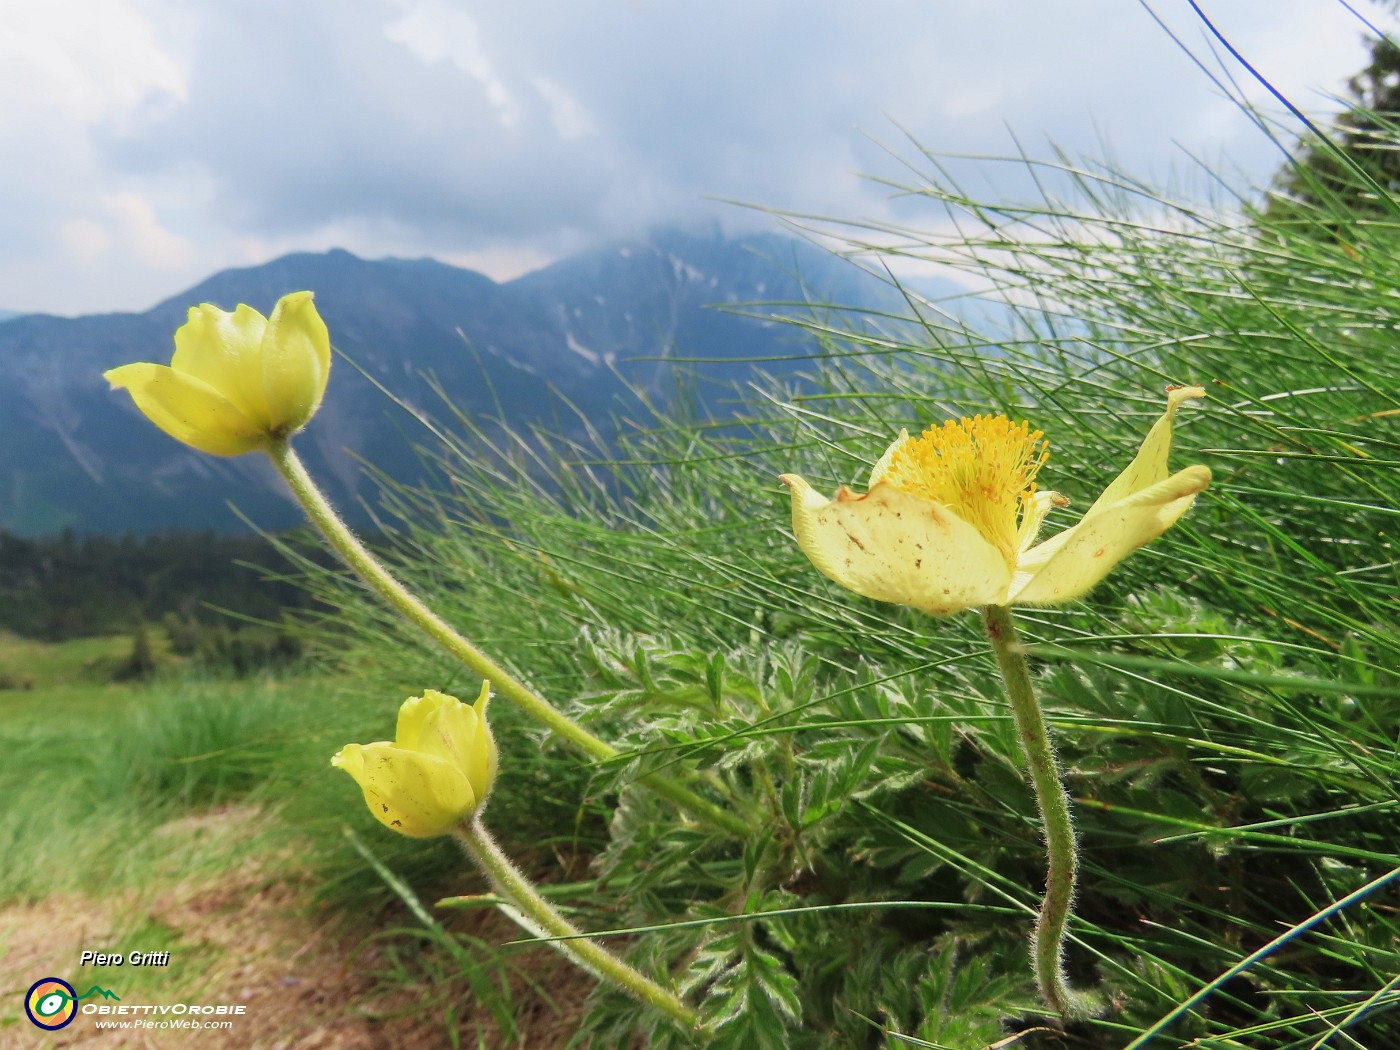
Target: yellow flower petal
<point>882,465</point>
<point>894,547</point>
<point>414,715</point>
<point>441,725</point>
<point>1034,516</point>
<point>1139,505</point>
<point>188,409</point>
<point>1070,564</point>
<point>436,724</point>
<point>415,794</point>
<point>225,350</point>
<point>296,362</point>
<point>351,758</point>
<point>1149,466</point>
<point>482,758</point>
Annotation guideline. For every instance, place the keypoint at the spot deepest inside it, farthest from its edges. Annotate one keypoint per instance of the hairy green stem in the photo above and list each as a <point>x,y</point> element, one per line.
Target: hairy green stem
<point>1047,943</point>
<point>538,916</point>
<point>354,554</point>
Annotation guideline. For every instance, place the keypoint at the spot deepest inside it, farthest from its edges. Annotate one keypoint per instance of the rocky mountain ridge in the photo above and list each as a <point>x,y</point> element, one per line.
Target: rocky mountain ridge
<point>75,455</point>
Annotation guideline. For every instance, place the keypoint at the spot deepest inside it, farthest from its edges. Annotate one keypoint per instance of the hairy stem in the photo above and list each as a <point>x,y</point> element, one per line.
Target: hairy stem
<point>1047,944</point>
<point>538,916</point>
<point>354,554</point>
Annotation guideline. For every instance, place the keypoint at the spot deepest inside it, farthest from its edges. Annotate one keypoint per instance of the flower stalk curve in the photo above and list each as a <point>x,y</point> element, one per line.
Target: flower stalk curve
<point>344,542</point>
<point>537,916</point>
<point>1061,848</point>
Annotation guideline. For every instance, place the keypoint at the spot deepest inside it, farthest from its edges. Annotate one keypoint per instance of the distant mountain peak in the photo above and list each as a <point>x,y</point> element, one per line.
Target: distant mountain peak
<point>584,328</point>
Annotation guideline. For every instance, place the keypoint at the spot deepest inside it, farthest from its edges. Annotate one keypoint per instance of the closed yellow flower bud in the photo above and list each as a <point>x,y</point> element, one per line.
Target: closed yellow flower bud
<point>238,380</point>
<point>950,518</point>
<point>437,772</point>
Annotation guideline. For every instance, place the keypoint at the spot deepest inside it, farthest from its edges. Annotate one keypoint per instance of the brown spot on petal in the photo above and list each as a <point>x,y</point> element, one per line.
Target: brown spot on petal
<point>1099,553</point>
<point>857,542</point>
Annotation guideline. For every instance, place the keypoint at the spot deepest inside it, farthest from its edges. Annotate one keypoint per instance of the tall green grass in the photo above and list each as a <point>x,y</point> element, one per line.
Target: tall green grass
<point>1226,703</point>
<point>109,788</point>
<point>92,775</point>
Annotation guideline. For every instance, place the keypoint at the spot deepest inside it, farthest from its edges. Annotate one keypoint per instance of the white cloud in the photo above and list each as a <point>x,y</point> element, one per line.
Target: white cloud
<point>569,117</point>
<point>87,61</point>
<point>86,241</point>
<point>970,100</point>
<point>146,143</point>
<point>501,264</point>
<point>435,31</point>
<point>146,239</point>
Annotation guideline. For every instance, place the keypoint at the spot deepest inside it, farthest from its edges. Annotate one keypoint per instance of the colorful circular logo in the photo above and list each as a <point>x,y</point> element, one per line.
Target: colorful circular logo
<point>51,1003</point>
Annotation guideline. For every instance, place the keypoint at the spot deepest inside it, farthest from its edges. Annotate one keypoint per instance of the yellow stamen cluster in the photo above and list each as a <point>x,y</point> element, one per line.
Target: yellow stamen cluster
<point>983,469</point>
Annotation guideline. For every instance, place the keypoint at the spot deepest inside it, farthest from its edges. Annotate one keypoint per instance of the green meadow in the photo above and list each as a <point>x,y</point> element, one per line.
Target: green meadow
<point>196,815</point>
<point>1225,704</point>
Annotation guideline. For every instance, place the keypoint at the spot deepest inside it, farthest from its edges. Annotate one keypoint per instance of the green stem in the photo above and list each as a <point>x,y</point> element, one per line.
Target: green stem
<point>1047,944</point>
<point>354,553</point>
<point>538,916</point>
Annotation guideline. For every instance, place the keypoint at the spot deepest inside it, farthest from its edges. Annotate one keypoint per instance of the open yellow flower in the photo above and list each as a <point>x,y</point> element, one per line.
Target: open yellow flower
<point>436,773</point>
<point>238,380</point>
<point>950,518</point>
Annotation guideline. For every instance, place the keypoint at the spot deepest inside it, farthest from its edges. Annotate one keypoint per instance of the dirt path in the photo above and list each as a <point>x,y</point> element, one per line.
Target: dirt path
<point>250,940</point>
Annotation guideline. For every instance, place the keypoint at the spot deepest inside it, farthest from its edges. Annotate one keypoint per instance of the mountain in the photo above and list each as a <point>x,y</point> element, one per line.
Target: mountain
<point>6,315</point>
<point>74,454</point>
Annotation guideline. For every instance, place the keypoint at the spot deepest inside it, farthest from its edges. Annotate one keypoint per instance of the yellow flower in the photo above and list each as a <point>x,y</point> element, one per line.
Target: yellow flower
<point>436,773</point>
<point>238,380</point>
<point>950,518</point>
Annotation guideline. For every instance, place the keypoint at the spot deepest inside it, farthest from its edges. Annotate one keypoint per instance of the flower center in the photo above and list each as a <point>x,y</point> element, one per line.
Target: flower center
<point>982,469</point>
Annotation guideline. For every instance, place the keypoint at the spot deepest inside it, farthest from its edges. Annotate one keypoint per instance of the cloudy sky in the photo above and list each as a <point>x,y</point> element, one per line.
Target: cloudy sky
<point>145,144</point>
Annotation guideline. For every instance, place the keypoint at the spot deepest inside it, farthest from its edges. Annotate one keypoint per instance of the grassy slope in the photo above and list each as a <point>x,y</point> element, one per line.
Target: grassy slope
<point>48,666</point>
<point>1225,703</point>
